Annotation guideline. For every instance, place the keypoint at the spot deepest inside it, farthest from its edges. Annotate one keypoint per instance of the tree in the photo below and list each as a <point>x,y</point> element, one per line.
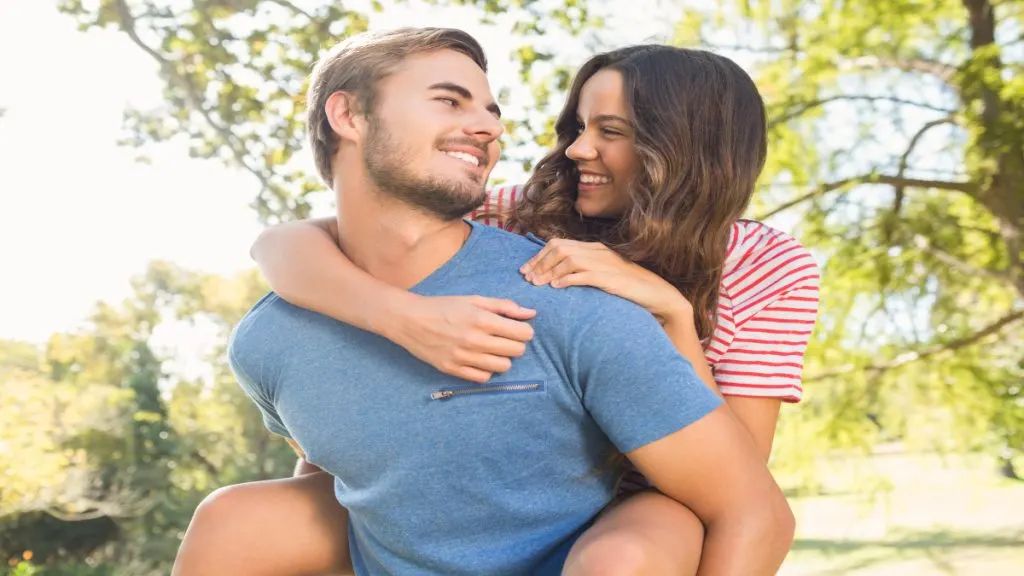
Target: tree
<point>896,151</point>
<point>897,138</point>
<point>106,452</point>
<point>235,75</point>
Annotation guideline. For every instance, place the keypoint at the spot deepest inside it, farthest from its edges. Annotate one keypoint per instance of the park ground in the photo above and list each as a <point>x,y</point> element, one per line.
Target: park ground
<point>910,514</point>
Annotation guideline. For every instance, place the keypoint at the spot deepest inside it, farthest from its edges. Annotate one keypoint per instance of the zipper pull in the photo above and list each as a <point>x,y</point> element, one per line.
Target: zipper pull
<point>442,395</point>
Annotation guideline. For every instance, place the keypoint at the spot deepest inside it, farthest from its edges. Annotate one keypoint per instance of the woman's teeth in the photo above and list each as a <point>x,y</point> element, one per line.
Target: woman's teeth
<point>465,157</point>
<point>594,179</point>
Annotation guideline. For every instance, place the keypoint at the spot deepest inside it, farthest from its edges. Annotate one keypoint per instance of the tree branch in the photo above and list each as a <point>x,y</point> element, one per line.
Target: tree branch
<point>968,188</point>
<point>954,262</point>
<point>128,26</point>
<point>715,47</point>
<point>944,72</point>
<point>909,357</point>
<point>295,9</point>
<point>205,463</point>
<point>917,138</point>
<point>805,107</point>
<point>898,196</point>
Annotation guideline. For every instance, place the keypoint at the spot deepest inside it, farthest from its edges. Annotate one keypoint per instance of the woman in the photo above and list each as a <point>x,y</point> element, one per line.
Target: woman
<point>657,155</point>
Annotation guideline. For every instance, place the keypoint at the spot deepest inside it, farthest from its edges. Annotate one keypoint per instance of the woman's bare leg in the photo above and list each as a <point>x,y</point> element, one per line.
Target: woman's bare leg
<point>648,533</point>
<point>288,527</point>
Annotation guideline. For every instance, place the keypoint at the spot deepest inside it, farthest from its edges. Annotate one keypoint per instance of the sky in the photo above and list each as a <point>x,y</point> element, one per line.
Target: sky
<point>79,216</point>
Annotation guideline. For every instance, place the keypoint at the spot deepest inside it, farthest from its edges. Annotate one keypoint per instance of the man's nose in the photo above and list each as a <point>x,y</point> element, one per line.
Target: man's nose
<point>485,125</point>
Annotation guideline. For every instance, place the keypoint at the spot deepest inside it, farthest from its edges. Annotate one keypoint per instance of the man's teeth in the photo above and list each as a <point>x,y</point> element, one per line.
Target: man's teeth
<point>594,179</point>
<point>465,157</point>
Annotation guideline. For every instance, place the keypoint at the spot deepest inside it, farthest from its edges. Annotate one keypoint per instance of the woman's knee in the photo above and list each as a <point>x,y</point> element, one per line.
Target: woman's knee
<point>648,533</point>
<point>288,526</point>
<point>223,505</point>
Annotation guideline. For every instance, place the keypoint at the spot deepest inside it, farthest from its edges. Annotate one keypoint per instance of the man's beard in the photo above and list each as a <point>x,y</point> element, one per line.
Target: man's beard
<point>387,163</point>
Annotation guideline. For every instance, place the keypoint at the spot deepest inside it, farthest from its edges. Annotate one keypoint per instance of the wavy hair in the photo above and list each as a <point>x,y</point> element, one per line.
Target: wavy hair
<point>701,143</point>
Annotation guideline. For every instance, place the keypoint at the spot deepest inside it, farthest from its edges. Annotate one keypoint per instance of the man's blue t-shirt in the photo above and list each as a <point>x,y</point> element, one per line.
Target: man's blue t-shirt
<point>442,476</point>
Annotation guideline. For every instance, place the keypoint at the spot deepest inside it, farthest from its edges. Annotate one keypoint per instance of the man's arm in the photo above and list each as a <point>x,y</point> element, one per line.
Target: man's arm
<point>654,407</point>
<point>713,467</point>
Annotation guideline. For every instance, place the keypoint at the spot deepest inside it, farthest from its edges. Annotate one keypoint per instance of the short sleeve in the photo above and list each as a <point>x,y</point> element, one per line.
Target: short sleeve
<point>632,380</point>
<point>499,204</point>
<point>258,389</point>
<point>774,324</point>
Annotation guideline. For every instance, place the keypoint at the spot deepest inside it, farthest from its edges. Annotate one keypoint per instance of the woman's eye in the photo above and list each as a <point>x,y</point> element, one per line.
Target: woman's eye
<point>608,132</point>
<point>449,102</point>
<point>580,128</point>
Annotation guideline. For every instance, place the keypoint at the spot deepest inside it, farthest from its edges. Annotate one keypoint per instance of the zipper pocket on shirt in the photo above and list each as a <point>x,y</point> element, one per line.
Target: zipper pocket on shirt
<point>497,388</point>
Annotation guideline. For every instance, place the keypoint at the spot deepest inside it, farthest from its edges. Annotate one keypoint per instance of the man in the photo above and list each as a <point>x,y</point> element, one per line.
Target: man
<point>440,476</point>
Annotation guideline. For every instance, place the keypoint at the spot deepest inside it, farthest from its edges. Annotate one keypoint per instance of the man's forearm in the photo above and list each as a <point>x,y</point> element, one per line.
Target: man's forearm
<point>752,544</point>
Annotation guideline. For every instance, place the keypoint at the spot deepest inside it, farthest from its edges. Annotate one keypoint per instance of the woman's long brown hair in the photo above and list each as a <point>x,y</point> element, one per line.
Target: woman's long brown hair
<point>701,144</point>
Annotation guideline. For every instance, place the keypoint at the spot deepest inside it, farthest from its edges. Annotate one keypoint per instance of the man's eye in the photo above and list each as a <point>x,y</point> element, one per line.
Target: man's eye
<point>449,101</point>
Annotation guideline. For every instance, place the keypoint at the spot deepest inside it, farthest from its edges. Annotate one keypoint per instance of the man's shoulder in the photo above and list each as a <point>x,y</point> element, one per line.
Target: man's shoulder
<point>270,325</point>
<point>527,244</point>
<point>506,251</point>
<point>496,253</point>
<point>265,311</point>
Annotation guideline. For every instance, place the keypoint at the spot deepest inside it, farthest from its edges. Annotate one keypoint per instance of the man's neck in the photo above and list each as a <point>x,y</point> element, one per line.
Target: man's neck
<point>392,241</point>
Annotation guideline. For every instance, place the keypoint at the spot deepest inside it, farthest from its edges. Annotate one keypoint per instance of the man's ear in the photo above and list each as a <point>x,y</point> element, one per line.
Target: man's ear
<point>344,117</point>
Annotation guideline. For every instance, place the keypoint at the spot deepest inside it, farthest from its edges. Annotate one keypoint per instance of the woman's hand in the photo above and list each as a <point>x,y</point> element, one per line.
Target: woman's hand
<point>470,337</point>
<point>571,263</point>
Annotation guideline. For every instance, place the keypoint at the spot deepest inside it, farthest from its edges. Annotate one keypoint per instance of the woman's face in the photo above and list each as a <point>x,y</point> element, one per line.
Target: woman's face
<point>604,151</point>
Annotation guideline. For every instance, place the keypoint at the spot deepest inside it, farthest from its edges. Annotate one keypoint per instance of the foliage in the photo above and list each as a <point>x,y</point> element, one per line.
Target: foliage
<point>106,454</point>
<point>896,154</point>
<point>897,140</point>
<point>235,75</point>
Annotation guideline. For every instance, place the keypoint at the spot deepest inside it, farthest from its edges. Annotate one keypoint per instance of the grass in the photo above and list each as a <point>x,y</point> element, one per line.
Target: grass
<point>926,515</point>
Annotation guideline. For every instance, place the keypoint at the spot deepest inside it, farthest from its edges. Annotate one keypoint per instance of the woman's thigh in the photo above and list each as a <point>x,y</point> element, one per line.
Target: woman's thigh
<point>648,533</point>
<point>292,527</point>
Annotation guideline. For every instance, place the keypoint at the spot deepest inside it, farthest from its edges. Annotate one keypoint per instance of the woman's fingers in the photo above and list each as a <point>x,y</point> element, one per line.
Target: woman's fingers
<point>560,257</point>
<point>467,336</point>
<point>491,323</point>
<point>570,264</point>
<point>504,347</point>
<point>504,307</point>
<point>552,253</point>
<point>544,261</point>
<point>484,362</point>
<point>586,278</point>
<point>472,374</point>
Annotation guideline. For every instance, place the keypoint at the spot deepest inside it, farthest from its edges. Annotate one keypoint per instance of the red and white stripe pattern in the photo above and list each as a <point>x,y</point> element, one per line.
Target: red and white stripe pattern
<point>767,307</point>
<point>499,201</point>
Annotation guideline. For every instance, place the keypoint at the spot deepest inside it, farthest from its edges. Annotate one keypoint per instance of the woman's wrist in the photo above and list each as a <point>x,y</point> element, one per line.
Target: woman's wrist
<point>393,313</point>
<point>679,314</point>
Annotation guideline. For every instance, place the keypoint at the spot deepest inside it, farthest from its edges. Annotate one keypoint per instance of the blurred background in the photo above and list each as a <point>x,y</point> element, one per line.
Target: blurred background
<point>144,143</point>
